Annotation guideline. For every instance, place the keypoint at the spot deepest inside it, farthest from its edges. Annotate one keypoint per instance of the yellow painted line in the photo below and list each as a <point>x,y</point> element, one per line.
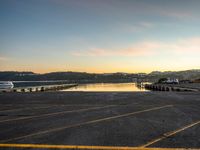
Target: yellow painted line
<point>85,123</point>
<point>168,134</point>
<point>56,113</point>
<point>46,146</point>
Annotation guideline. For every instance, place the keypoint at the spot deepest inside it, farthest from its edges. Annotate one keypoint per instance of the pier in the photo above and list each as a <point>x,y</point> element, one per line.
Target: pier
<point>40,88</point>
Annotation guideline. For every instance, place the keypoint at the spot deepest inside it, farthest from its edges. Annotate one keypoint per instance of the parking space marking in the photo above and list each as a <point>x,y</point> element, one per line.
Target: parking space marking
<point>35,107</point>
<point>56,113</point>
<point>19,109</point>
<point>81,147</point>
<point>86,123</point>
<point>44,107</point>
<point>171,133</point>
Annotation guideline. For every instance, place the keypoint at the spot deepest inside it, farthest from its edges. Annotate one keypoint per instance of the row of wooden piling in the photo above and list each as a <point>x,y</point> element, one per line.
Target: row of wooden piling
<point>158,87</point>
<point>40,88</point>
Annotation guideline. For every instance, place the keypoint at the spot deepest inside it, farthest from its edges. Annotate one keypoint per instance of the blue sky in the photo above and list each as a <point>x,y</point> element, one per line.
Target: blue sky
<point>99,35</point>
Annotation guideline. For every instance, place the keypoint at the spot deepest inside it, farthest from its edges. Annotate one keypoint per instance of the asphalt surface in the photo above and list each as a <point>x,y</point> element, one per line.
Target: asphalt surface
<point>116,119</point>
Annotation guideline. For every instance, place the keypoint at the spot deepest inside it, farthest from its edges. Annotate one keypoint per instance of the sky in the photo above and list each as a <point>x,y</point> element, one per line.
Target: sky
<point>99,36</point>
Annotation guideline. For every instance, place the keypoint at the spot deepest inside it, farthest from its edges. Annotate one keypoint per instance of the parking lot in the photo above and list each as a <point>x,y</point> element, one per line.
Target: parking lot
<point>99,120</point>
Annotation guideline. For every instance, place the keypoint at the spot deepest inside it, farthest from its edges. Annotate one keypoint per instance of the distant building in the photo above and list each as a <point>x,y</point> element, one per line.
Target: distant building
<point>171,81</point>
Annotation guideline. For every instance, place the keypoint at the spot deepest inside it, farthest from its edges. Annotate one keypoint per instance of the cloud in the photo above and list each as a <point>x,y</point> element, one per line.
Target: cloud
<point>170,10</point>
<point>188,45</point>
<point>182,46</point>
<point>136,27</point>
<point>147,48</point>
<point>139,49</point>
<point>180,15</point>
<point>3,58</point>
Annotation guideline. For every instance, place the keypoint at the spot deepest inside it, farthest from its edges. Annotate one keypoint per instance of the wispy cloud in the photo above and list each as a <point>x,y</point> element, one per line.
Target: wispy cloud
<point>170,10</point>
<point>139,49</point>
<point>136,27</point>
<point>183,15</point>
<point>190,45</point>
<point>3,58</point>
<point>147,48</point>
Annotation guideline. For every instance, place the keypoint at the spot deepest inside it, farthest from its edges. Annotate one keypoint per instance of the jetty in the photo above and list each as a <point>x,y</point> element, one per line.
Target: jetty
<point>40,88</point>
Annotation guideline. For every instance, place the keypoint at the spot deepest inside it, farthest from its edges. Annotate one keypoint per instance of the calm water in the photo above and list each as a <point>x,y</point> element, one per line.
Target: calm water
<point>106,87</point>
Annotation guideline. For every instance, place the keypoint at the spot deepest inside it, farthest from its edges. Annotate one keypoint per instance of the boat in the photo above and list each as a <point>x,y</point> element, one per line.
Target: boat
<point>6,85</point>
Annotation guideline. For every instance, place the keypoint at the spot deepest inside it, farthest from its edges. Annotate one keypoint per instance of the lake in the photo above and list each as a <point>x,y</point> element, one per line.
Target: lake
<point>120,87</point>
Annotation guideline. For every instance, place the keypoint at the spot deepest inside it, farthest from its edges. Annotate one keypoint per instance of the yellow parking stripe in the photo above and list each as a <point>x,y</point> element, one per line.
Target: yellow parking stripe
<point>168,134</point>
<point>86,123</point>
<point>83,147</point>
<point>56,113</point>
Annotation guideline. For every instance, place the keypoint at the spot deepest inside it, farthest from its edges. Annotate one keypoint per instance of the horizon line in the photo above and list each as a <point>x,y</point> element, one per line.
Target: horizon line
<point>100,72</point>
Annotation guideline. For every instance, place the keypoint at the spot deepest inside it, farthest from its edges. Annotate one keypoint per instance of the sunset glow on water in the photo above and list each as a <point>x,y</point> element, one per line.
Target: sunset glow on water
<point>107,87</point>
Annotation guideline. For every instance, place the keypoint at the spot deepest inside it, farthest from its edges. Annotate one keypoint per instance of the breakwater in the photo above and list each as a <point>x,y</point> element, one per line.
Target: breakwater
<point>166,87</point>
<point>40,88</point>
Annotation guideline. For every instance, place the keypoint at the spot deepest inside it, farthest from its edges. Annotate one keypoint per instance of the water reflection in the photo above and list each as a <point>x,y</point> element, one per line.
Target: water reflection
<point>107,87</point>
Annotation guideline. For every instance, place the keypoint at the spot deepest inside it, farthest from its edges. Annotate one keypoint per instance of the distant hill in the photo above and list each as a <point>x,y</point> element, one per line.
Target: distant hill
<point>182,75</point>
<point>14,75</point>
<point>71,76</point>
<point>94,77</point>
